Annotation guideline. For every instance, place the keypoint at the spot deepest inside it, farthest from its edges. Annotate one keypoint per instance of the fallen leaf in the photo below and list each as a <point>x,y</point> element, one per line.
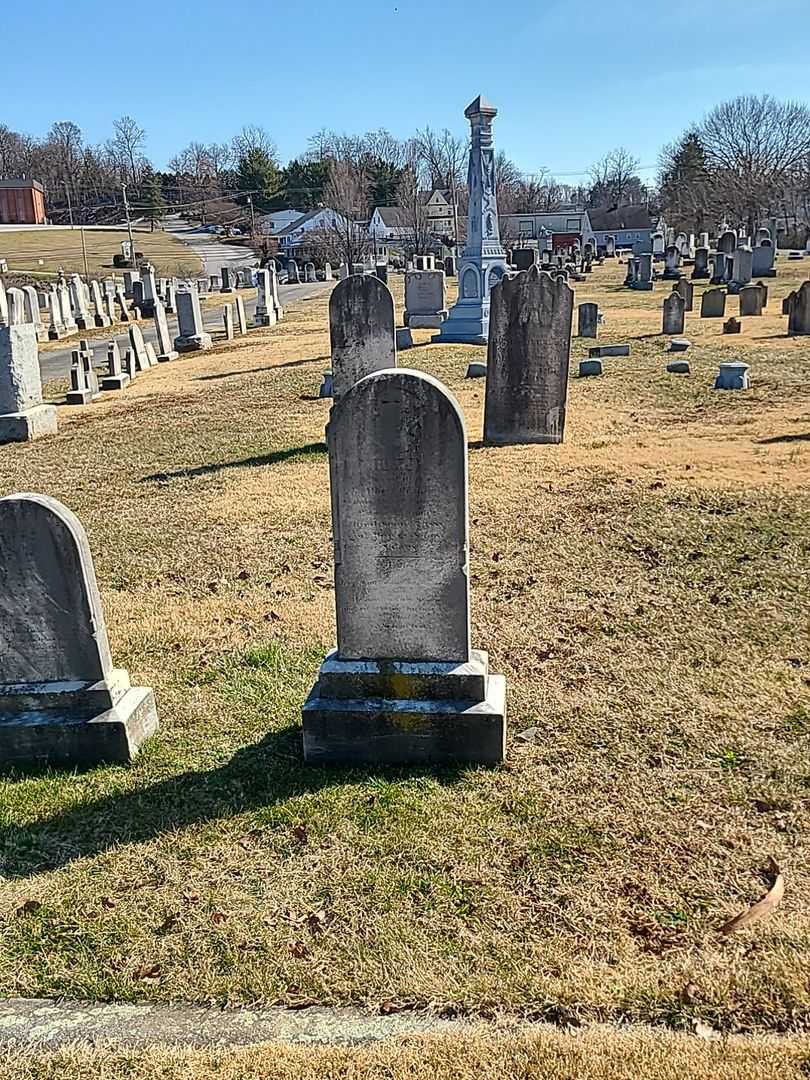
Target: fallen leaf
<point>315,921</point>
<point>762,908</point>
<point>690,994</point>
<point>300,834</point>
<point>147,971</point>
<point>218,917</point>
<point>107,902</point>
<point>299,949</point>
<point>191,897</point>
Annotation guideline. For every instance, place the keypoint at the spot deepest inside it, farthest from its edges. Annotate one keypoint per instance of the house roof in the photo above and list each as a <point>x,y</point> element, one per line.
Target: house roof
<point>393,217</point>
<point>622,217</point>
<point>294,226</point>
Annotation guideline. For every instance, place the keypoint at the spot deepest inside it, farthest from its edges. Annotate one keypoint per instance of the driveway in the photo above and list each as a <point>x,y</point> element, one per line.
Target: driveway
<point>55,364</point>
<point>212,251</point>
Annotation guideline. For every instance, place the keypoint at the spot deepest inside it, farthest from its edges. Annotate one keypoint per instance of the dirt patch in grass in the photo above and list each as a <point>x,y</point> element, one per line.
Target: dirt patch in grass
<point>644,588</point>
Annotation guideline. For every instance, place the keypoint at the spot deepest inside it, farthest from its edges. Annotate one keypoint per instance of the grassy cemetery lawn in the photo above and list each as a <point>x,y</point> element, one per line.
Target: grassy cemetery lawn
<point>644,588</point>
<point>62,248</point>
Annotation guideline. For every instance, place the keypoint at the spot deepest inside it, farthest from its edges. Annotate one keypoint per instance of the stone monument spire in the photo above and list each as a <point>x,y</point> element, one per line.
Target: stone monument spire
<point>483,262</point>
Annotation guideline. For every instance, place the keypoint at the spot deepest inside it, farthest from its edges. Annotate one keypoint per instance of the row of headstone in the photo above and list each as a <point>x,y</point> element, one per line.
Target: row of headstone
<point>69,307</point>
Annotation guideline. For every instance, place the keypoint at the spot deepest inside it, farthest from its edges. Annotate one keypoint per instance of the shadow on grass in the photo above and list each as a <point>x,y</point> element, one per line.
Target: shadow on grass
<point>799,436</point>
<point>257,777</point>
<point>260,370</point>
<point>275,457</point>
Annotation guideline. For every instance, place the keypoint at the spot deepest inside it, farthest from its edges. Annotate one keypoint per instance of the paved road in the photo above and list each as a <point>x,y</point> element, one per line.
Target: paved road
<point>56,364</point>
<point>212,251</point>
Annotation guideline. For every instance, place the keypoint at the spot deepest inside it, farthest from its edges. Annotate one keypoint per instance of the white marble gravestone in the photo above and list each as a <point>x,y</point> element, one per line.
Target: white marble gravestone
<point>62,702</point>
<point>403,685</point>
<point>192,334</point>
<point>23,416</point>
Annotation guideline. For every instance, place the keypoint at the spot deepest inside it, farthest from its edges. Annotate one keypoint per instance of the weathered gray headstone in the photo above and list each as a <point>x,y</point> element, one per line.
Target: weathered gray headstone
<point>191,332</point>
<point>476,369</point>
<point>732,326</point>
<point>727,242</point>
<point>309,272</point>
<point>403,685</point>
<point>16,307</point>
<point>265,311</point>
<point>293,277</point>
<point>62,702</point>
<point>589,367</point>
<point>701,267</point>
<point>84,386</point>
<point>116,378</point>
<point>742,267</point>
<point>643,279</point>
<point>799,311</point>
<point>523,258</point>
<point>686,290</point>
<point>100,316</point>
<point>751,300</point>
<point>227,284</point>
<point>713,304</point>
<point>425,303</point>
<point>672,263</point>
<point>362,330</point>
<point>138,346</point>
<point>678,367</point>
<point>527,359</point>
<point>381,271</point>
<point>618,349</point>
<point>23,416</point>
<point>762,261</point>
<point>150,293</point>
<point>673,315</point>
<point>588,320</point>
<point>33,313</point>
<point>78,303</point>
<point>327,272</point>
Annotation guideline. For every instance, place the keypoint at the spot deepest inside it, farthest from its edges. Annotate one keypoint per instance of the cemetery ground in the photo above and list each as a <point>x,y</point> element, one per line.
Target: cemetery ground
<point>62,248</point>
<point>643,586</point>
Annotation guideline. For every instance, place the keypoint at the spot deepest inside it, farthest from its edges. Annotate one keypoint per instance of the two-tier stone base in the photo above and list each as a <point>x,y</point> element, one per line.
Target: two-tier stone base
<point>74,724</point>
<point>405,713</point>
<point>33,423</point>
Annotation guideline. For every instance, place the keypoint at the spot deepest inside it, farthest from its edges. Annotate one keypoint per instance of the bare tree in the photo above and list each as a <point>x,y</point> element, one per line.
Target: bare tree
<point>613,178</point>
<point>754,148</point>
<point>412,202</point>
<point>346,193</point>
<point>253,137</point>
<point>129,140</point>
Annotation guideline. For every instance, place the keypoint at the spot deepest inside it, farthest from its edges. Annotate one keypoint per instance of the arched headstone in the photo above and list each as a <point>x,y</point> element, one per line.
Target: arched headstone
<point>403,685</point>
<point>62,701</point>
<point>362,330</point>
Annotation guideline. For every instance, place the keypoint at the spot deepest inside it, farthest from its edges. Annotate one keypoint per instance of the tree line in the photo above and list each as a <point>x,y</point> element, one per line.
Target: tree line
<point>747,160</point>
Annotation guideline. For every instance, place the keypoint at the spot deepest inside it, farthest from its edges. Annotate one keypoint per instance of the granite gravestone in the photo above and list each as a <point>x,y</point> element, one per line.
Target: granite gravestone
<point>588,320</point>
<point>403,686</point>
<point>190,323</point>
<point>701,267</point>
<point>527,359</point>
<point>799,311</point>
<point>686,291</point>
<point>23,416</point>
<point>62,702</point>
<point>362,329</point>
<point>751,300</point>
<point>713,304</point>
<point>265,311</point>
<point>116,378</point>
<point>425,304</point>
<point>673,315</point>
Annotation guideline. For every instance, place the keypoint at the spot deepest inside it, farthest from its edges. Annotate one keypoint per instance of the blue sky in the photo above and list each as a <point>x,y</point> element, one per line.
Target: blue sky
<point>571,78</point>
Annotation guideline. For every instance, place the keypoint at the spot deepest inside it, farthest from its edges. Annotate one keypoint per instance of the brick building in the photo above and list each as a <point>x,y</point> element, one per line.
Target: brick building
<point>22,202</point>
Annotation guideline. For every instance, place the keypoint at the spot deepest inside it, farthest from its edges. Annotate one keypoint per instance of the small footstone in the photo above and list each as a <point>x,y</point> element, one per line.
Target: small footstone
<point>732,376</point>
<point>609,350</point>
<point>732,326</point>
<point>589,367</point>
<point>476,369</point>
<point>679,344</point>
<point>325,390</point>
<point>404,338</point>
<point>678,367</point>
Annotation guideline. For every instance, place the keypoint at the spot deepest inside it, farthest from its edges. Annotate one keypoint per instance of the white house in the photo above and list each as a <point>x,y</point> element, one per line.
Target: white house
<point>303,232</point>
<point>272,224</point>
<point>389,224</point>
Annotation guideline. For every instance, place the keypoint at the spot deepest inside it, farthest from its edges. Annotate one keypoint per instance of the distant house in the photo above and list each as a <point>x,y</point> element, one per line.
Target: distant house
<point>306,234</point>
<point>563,227</point>
<point>272,224</point>
<point>389,225</point>
<point>632,226</point>
<point>22,202</point>
<point>440,213</point>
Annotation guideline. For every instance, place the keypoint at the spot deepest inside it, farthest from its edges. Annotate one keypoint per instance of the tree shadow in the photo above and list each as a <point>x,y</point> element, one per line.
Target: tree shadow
<point>259,370</point>
<point>273,458</point>
<point>257,776</point>
<point>799,436</point>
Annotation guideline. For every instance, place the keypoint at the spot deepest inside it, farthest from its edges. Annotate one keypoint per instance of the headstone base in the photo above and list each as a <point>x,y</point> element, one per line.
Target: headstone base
<point>26,426</point>
<point>404,337</point>
<point>163,358</point>
<point>81,397</point>
<point>405,713</point>
<point>102,321</point>
<point>115,382</point>
<point>264,319</point>
<point>325,390</point>
<point>425,322</point>
<point>193,342</point>
<point>61,737</point>
<point>643,286</point>
<point>700,275</point>
<point>57,334</point>
<point>476,369</point>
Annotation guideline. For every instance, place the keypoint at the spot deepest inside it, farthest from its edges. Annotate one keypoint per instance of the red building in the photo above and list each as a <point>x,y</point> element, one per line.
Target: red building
<point>22,202</point>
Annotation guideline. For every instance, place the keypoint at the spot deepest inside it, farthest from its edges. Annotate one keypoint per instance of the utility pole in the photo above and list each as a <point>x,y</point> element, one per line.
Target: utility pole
<point>252,218</point>
<point>70,208</point>
<point>129,227</point>
<point>84,256</point>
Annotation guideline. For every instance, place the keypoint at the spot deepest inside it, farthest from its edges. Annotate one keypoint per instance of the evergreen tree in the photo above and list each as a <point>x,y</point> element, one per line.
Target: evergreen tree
<point>153,201</point>
<point>384,180</point>
<point>302,185</point>
<point>257,172</point>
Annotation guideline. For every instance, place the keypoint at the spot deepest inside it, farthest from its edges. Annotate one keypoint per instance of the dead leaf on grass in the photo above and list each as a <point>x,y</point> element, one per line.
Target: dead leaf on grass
<point>29,907</point>
<point>763,908</point>
<point>299,949</point>
<point>219,917</point>
<point>300,834</point>
<point>147,972</point>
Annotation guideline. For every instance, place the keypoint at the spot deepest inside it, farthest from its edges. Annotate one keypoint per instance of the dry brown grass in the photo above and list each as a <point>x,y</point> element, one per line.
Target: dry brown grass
<point>598,1053</point>
<point>62,249</point>
<point>644,588</point>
